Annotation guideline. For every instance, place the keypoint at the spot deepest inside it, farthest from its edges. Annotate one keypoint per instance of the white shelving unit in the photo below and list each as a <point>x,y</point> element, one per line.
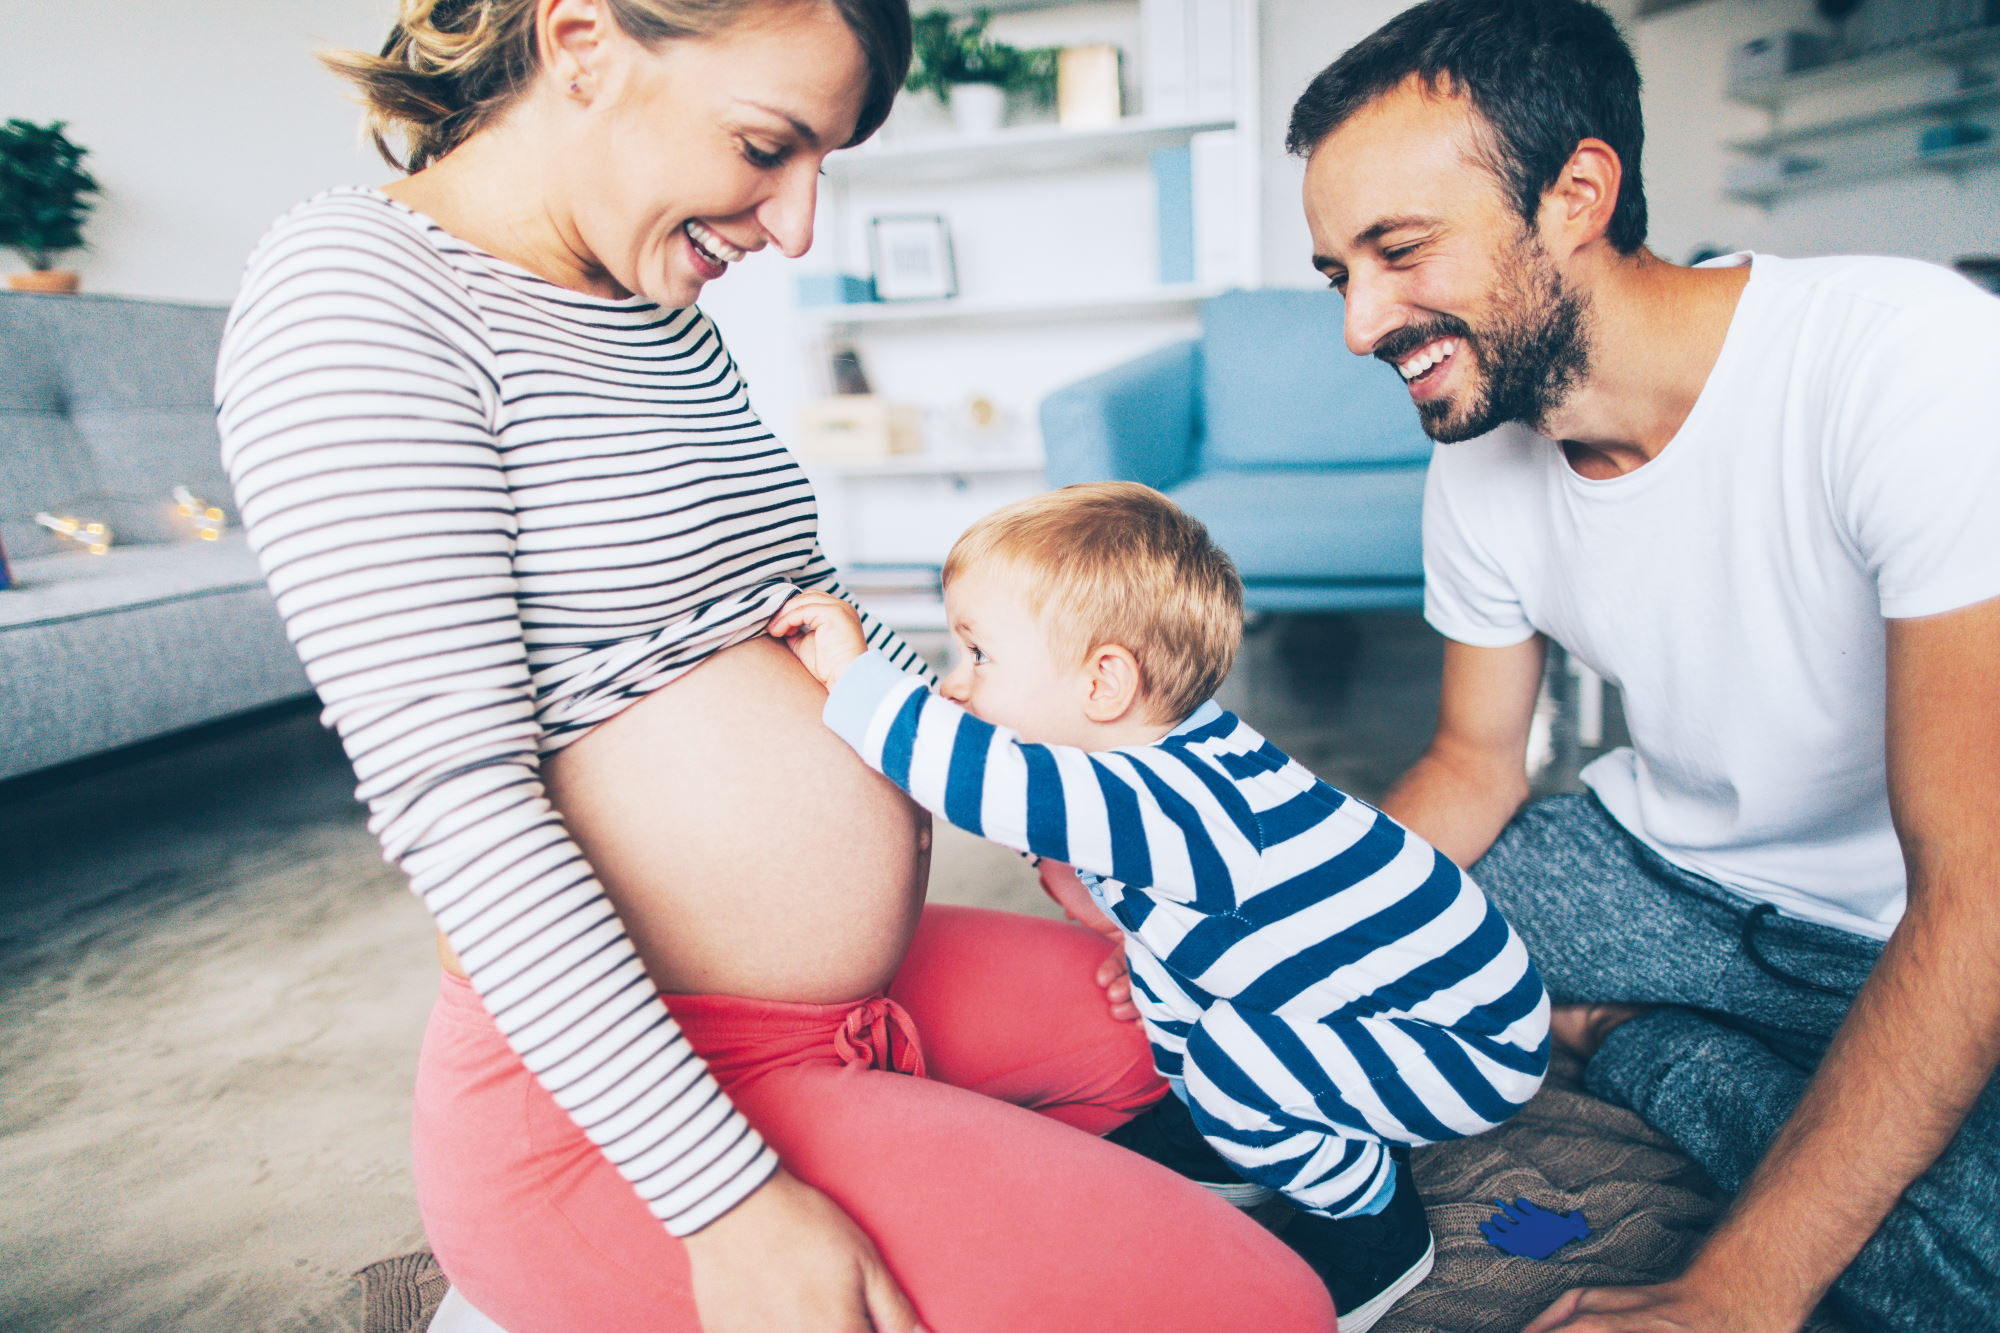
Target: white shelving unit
<point>1022,148</point>
<point>1171,300</point>
<point>1839,127</point>
<point>1952,52</point>
<point>955,464</point>
<point>1948,160</point>
<point>1054,234</point>
<point>1860,146</point>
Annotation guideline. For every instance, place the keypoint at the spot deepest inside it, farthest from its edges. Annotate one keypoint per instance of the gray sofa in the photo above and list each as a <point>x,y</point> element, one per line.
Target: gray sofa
<point>105,406</point>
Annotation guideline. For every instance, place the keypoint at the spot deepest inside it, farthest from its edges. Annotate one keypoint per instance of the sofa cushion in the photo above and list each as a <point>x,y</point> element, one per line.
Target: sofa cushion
<point>105,406</point>
<point>43,467</point>
<point>44,463</point>
<point>141,377</point>
<point>74,585</point>
<point>78,686</point>
<point>1281,389</point>
<point>1326,526</point>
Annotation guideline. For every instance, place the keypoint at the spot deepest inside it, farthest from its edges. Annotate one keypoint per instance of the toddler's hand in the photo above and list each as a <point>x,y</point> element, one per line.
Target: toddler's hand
<point>1059,881</point>
<point>823,631</point>
<point>1115,975</point>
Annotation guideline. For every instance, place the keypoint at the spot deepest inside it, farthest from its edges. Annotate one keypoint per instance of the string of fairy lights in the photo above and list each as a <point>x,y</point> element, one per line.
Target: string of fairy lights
<point>204,520</point>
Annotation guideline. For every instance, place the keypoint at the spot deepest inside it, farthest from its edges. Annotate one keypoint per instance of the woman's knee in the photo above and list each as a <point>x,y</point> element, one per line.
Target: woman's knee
<point>1010,1006</point>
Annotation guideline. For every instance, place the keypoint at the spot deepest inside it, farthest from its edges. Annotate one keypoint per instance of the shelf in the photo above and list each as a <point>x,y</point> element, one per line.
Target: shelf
<point>1956,159</point>
<point>1025,148</point>
<point>927,465</point>
<point>997,6</point>
<point>1182,300</point>
<point>1955,49</point>
<point>905,612</point>
<point>1765,144</point>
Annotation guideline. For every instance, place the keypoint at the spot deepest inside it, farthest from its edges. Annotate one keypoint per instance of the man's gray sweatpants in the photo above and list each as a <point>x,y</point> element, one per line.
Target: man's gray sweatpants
<point>1749,1000</point>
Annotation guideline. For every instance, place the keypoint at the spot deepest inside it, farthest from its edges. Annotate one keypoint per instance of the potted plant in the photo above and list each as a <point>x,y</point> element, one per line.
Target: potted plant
<point>971,73</point>
<point>42,203</point>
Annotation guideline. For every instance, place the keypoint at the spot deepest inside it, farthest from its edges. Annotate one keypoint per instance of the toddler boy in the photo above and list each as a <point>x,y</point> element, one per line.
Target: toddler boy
<point>1321,988</point>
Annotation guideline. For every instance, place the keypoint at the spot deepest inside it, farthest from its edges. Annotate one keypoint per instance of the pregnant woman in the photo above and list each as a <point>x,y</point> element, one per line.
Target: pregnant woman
<point>700,1057</point>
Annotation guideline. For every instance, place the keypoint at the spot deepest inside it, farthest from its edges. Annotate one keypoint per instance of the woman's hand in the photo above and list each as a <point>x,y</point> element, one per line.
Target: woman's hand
<point>788,1260</point>
<point>823,631</point>
<point>1059,881</point>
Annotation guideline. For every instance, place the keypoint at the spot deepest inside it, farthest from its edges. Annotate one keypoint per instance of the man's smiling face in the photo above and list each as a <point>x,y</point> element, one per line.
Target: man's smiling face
<point>1442,277</point>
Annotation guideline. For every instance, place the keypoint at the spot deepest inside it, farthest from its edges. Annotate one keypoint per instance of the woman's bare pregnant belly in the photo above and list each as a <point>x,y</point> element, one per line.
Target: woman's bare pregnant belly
<point>747,848</point>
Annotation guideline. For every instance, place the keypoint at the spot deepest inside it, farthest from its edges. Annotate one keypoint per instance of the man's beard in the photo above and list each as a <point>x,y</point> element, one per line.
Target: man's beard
<point>1531,356</point>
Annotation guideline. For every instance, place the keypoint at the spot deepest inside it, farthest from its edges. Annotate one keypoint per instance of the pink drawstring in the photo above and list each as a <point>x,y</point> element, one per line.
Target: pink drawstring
<point>878,1034</point>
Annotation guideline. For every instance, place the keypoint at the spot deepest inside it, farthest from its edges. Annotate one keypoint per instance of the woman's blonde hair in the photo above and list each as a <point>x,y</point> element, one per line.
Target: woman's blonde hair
<point>1117,562</point>
<point>450,66</point>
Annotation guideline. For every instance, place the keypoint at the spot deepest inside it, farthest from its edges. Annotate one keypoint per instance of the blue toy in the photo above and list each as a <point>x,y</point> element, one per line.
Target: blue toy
<point>1531,1231</point>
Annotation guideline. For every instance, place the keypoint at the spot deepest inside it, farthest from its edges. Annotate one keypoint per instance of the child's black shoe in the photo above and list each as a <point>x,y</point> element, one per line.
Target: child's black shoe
<point>1368,1263</point>
<point>1165,1133</point>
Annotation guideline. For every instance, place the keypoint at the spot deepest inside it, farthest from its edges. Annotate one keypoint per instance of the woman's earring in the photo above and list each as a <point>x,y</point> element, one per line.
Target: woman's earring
<point>574,91</point>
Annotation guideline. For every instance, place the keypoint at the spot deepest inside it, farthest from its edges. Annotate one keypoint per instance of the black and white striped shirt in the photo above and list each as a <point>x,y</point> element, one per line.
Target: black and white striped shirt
<point>494,513</point>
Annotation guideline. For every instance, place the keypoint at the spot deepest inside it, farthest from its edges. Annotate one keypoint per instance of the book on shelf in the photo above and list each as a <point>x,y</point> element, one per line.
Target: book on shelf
<point>1197,193</point>
<point>860,577</point>
<point>1187,58</point>
<point>1164,67</point>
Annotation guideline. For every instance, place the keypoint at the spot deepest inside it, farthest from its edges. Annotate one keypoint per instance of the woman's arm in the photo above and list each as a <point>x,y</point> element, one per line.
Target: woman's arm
<point>356,412</point>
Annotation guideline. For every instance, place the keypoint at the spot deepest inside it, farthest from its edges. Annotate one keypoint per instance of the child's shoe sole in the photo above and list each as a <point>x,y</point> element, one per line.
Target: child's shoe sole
<point>1365,1316</point>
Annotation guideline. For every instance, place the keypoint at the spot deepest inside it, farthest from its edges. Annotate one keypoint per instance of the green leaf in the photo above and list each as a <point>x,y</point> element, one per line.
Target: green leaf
<point>42,191</point>
<point>948,51</point>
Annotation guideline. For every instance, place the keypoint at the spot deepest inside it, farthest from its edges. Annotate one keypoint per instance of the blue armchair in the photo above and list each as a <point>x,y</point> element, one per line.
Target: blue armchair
<point>1305,461</point>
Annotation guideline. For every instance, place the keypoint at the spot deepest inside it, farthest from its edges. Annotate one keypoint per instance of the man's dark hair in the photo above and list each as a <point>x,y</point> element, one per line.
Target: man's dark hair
<point>1543,74</point>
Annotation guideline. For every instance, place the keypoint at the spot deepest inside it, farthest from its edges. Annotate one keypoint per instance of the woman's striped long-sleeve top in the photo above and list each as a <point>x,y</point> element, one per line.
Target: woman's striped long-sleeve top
<point>494,513</point>
<point>1322,980</point>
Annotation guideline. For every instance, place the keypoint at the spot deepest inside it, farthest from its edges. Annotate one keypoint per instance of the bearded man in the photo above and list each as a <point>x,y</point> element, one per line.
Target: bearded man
<point>1762,496</point>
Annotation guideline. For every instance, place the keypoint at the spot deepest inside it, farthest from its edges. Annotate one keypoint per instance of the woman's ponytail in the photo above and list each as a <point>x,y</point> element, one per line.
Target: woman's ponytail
<point>450,66</point>
<point>447,68</point>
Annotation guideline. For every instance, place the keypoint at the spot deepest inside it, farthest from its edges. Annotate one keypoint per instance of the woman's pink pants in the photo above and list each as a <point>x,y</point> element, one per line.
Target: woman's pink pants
<point>955,1119</point>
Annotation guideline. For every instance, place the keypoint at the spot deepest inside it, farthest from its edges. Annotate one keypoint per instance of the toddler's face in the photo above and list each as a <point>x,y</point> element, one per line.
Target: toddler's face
<point>1004,671</point>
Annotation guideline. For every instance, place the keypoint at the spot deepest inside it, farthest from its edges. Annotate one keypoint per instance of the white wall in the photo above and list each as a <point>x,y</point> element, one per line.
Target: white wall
<point>205,119</point>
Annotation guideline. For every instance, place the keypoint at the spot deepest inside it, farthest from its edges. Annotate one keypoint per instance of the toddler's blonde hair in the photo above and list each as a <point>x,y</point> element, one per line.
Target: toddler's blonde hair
<point>1117,562</point>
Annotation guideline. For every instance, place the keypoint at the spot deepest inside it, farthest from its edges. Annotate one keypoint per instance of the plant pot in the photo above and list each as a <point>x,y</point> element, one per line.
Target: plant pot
<point>43,280</point>
<point>977,108</point>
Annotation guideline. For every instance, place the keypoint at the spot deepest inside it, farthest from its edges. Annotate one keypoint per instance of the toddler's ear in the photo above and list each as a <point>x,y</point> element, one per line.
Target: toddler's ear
<point>1115,684</point>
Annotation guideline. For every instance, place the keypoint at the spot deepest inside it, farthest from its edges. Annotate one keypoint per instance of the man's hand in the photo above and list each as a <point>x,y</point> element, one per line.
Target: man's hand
<point>788,1260</point>
<point>1670,1307</point>
<point>823,631</point>
<point>1060,883</point>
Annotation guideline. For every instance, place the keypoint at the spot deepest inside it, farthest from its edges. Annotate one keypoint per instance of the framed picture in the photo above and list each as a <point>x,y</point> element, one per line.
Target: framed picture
<point>912,257</point>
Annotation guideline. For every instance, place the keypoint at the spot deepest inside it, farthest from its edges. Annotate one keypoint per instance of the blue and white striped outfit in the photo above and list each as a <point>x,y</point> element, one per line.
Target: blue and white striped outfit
<point>1318,981</point>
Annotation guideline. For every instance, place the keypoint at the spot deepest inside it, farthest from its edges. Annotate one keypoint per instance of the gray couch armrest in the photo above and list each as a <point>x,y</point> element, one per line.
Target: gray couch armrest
<point>1134,422</point>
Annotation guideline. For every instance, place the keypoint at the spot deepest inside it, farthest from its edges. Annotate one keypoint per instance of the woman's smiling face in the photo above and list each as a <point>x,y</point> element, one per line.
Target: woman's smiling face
<point>685,157</point>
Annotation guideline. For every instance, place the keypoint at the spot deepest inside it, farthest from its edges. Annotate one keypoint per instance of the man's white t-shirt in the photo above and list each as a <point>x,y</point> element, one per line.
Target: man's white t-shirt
<point>1841,465</point>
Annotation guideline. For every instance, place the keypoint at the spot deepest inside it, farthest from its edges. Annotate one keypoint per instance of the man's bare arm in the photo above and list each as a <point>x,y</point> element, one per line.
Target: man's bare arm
<point>1473,778</point>
<point>1919,1043</point>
